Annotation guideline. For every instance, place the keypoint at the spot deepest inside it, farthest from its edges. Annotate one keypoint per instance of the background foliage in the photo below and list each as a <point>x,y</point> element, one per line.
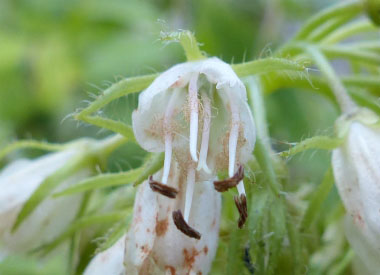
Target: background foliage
<point>56,54</point>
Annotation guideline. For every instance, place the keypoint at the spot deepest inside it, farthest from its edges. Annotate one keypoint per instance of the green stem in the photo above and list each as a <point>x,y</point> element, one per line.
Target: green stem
<point>256,102</point>
<point>342,265</point>
<point>267,65</point>
<point>342,97</point>
<point>351,54</point>
<point>266,164</point>
<point>316,201</point>
<point>190,46</point>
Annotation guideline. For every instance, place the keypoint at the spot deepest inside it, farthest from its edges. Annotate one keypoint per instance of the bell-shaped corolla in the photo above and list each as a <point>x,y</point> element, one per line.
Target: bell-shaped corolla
<point>154,245</point>
<point>356,166</point>
<point>197,113</point>
<point>18,181</point>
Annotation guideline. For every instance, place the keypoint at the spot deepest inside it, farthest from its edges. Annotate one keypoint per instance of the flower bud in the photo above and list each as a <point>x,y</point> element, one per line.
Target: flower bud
<point>18,181</point>
<point>356,166</point>
<point>373,10</point>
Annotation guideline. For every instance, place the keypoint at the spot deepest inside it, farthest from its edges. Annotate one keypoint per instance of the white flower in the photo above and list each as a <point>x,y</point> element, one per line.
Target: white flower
<point>154,245</point>
<point>170,110</point>
<point>356,166</point>
<point>209,93</point>
<point>18,181</point>
<point>365,247</point>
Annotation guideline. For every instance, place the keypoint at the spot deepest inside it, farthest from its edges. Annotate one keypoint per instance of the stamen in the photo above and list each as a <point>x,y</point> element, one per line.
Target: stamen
<point>168,157</point>
<point>234,134</point>
<point>193,102</point>
<point>168,136</point>
<point>224,185</point>
<point>182,226</point>
<point>189,191</point>
<point>241,204</point>
<point>241,188</point>
<point>163,189</point>
<point>202,164</point>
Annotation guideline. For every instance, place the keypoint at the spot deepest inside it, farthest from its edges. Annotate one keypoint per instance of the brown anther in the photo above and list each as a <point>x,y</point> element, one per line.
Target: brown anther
<point>182,225</point>
<point>163,189</point>
<point>224,185</point>
<point>241,204</point>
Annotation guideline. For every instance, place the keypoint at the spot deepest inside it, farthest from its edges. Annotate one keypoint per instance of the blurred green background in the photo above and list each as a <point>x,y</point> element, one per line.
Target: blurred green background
<point>54,55</point>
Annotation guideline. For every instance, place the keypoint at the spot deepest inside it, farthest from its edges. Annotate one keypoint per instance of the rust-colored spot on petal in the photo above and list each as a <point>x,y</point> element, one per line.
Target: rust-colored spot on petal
<point>358,220</point>
<point>182,225</point>
<point>241,204</point>
<point>171,269</point>
<point>224,185</point>
<point>144,249</point>
<point>161,226</point>
<point>205,249</point>
<point>163,189</point>
<point>190,256</point>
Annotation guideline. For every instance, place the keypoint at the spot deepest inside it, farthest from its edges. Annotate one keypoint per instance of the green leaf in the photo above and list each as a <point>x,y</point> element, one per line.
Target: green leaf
<point>277,220</point>
<point>341,266</point>
<point>82,223</point>
<point>150,167</point>
<point>102,181</point>
<point>119,89</point>
<point>46,187</point>
<point>317,142</point>
<point>113,125</point>
<point>32,144</point>
<point>235,253</point>
<point>329,27</point>
<point>115,234</point>
<point>316,201</point>
<point>341,9</point>
<point>349,30</point>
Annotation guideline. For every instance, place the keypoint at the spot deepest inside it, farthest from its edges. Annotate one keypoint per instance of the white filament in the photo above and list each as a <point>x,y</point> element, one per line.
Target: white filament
<point>232,146</point>
<point>168,157</point>
<point>168,136</point>
<point>241,188</point>
<point>193,102</point>
<point>232,142</point>
<point>202,164</point>
<point>189,191</point>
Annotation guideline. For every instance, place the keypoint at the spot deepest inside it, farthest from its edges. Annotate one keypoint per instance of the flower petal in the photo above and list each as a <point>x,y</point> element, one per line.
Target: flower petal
<point>109,261</point>
<point>364,150</point>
